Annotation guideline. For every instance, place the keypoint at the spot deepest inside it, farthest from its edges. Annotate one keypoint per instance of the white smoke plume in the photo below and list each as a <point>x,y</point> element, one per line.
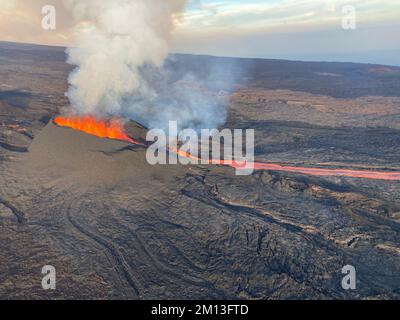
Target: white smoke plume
<point>122,66</point>
<point>115,39</point>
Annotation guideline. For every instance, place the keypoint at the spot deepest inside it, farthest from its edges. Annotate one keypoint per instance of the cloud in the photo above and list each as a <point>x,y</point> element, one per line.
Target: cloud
<point>215,26</point>
<point>254,15</point>
<point>293,29</point>
<point>21,21</point>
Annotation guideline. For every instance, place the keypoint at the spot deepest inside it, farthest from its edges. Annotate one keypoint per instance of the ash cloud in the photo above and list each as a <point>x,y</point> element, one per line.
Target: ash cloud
<point>124,66</point>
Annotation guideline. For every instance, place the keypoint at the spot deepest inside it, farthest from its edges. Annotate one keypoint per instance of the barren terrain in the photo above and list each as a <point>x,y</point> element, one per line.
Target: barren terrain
<point>117,228</point>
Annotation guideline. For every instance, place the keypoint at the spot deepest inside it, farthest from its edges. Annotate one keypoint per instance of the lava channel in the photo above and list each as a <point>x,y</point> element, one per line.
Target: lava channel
<point>114,129</point>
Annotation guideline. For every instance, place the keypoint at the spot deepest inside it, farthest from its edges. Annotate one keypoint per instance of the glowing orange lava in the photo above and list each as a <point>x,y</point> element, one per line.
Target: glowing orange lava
<point>323,172</point>
<point>112,129</point>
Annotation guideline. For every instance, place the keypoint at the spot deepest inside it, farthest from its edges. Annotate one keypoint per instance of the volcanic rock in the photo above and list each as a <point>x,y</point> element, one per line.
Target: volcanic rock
<point>115,227</point>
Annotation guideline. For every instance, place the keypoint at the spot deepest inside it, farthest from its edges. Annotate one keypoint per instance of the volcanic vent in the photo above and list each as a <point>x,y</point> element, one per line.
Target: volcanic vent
<point>113,128</point>
<point>83,156</point>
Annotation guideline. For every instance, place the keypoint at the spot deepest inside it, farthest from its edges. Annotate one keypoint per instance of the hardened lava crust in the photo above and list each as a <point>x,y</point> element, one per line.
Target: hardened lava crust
<point>115,227</point>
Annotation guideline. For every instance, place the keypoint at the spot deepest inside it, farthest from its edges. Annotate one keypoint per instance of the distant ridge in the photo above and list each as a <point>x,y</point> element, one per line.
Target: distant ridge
<point>351,80</point>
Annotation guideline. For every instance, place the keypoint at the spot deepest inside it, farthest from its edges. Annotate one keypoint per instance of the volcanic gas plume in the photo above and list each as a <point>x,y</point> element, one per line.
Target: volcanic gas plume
<point>116,40</point>
<point>123,66</point>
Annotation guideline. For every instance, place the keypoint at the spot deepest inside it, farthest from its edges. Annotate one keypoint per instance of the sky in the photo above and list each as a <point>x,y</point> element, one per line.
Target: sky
<point>283,29</point>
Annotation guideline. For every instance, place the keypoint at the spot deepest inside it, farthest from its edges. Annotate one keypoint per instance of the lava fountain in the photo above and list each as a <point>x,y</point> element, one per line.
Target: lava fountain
<point>111,129</point>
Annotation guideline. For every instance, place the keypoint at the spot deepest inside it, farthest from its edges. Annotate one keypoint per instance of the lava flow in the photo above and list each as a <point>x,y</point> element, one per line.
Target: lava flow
<point>322,172</point>
<point>112,129</point>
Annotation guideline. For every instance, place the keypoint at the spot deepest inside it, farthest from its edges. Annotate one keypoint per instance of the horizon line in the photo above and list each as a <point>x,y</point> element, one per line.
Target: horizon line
<point>55,46</point>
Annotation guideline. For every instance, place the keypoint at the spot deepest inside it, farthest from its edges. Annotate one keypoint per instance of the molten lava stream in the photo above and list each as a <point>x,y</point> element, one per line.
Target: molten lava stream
<point>112,129</point>
<point>322,172</point>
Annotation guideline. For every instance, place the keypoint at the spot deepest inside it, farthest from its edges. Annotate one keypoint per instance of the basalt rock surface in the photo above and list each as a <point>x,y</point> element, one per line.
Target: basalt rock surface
<point>115,227</point>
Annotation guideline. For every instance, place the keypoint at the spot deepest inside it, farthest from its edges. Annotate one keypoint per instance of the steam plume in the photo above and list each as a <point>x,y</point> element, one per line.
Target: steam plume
<point>115,40</point>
